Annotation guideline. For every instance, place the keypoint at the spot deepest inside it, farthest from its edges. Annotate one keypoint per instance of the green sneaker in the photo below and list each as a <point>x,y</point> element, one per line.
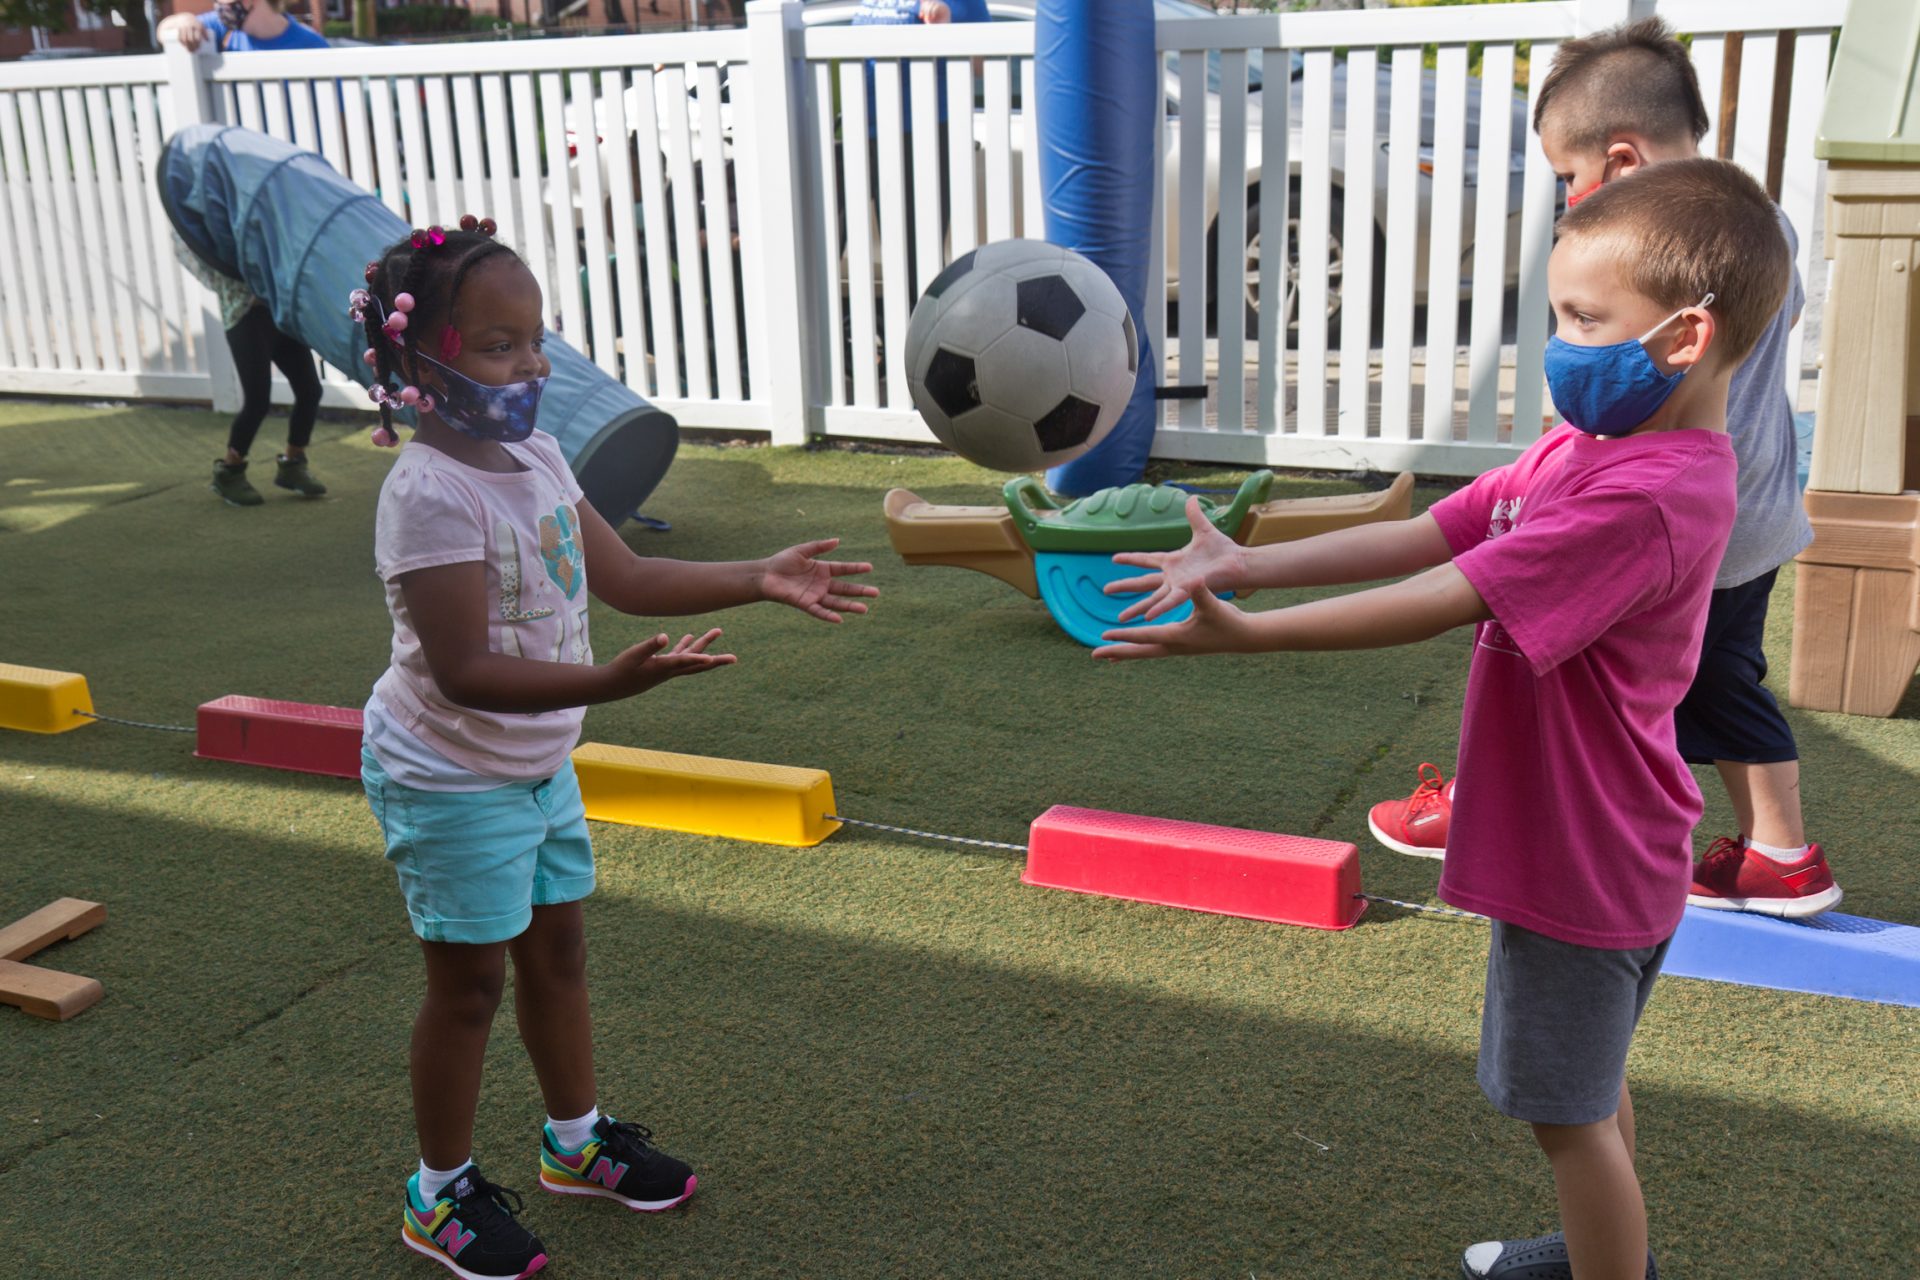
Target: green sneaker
<point>293,474</point>
<point>230,482</point>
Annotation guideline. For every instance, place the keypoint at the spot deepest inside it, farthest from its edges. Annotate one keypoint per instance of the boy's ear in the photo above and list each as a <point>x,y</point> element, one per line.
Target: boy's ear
<point>1624,156</point>
<point>1691,338</point>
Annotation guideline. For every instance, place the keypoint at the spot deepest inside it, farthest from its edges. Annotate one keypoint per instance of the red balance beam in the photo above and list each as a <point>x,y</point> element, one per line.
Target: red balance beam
<point>1257,874</point>
<point>281,735</point>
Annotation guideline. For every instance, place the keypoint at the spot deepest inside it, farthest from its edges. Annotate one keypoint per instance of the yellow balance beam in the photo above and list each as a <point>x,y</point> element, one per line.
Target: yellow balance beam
<point>42,701</point>
<point>768,803</point>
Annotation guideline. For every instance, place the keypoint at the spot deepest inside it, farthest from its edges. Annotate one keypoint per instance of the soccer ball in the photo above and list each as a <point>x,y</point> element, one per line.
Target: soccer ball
<point>1021,355</point>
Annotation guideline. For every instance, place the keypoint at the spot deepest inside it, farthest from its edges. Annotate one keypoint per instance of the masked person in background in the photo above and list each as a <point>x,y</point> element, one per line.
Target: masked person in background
<point>237,27</point>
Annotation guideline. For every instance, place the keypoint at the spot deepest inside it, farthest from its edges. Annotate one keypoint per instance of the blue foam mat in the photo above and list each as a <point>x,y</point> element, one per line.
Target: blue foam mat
<point>1828,955</point>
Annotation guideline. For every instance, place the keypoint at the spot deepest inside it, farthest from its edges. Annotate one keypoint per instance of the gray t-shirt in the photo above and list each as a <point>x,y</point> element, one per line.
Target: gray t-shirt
<point>1771,526</point>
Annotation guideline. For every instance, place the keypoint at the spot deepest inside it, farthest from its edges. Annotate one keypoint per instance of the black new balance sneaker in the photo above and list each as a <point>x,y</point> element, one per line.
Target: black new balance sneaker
<point>470,1229</point>
<point>1543,1258</point>
<point>620,1163</point>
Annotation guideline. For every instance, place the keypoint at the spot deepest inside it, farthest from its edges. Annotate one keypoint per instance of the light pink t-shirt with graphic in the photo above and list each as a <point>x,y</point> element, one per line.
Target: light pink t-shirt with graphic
<point>525,527</point>
<point>1573,814</point>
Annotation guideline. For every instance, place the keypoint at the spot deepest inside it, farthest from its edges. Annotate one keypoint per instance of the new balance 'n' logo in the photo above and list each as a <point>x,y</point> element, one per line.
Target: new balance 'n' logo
<point>454,1237</point>
<point>607,1173</point>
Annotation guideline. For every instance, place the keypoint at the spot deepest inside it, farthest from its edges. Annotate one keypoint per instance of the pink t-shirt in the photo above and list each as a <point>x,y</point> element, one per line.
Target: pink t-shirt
<point>524,526</point>
<point>1573,814</point>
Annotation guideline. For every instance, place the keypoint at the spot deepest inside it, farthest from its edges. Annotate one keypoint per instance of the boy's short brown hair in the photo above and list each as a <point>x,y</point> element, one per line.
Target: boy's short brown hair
<point>1634,78</point>
<point>1686,228</point>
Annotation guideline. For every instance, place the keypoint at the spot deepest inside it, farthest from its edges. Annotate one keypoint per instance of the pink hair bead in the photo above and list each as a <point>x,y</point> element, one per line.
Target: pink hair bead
<point>409,395</point>
<point>426,404</point>
<point>397,322</point>
<point>403,302</point>
<point>384,437</point>
<point>370,356</point>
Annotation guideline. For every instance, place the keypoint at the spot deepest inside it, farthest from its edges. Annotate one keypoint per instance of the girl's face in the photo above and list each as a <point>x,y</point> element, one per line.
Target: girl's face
<point>500,326</point>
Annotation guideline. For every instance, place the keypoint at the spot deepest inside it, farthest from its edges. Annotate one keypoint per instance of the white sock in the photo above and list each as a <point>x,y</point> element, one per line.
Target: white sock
<point>574,1134</point>
<point>1775,854</point>
<point>432,1180</point>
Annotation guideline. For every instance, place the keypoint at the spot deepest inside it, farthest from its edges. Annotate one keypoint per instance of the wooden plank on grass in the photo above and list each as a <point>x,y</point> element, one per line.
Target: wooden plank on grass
<point>57,921</point>
<point>47,993</point>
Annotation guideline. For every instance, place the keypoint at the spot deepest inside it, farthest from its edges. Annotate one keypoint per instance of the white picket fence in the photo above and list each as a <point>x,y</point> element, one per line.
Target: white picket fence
<point>727,223</point>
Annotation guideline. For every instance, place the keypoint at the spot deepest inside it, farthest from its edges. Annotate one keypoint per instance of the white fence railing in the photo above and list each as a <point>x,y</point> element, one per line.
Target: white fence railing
<point>1348,254</point>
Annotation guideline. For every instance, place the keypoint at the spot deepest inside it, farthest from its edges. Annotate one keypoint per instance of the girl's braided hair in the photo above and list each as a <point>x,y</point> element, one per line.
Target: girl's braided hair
<point>430,267</point>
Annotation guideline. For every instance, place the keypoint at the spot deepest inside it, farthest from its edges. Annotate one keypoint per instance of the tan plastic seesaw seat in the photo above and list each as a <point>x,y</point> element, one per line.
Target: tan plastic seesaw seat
<point>1290,519</point>
<point>978,538</point>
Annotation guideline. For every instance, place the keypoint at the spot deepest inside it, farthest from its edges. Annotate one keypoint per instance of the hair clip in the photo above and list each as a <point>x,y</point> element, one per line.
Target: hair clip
<point>449,343</point>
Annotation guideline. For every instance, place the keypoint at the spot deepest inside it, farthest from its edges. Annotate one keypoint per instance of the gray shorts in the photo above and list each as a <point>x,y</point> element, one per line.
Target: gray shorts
<point>1557,1023</point>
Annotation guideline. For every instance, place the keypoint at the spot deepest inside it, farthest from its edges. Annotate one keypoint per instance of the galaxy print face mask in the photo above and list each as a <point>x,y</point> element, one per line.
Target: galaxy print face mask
<point>505,413</point>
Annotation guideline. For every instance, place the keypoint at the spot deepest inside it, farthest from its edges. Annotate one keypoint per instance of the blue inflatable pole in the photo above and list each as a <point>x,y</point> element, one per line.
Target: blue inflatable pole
<point>300,235</point>
<point>1099,88</point>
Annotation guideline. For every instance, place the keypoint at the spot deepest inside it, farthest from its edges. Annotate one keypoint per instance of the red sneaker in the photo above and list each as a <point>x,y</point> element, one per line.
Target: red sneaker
<point>1733,877</point>
<point>1418,824</point>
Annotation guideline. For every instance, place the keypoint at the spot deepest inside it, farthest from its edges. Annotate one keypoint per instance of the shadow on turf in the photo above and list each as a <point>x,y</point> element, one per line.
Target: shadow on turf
<point>856,1107</point>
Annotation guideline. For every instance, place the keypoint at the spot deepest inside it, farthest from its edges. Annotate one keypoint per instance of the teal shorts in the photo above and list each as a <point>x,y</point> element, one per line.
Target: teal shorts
<point>474,864</point>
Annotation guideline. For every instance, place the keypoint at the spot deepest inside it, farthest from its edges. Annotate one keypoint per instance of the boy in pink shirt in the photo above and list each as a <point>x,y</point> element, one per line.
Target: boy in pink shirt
<point>1586,566</point>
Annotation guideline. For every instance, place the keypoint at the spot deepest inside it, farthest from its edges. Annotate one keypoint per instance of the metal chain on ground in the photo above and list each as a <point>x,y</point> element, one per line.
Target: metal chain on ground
<point>1421,906</point>
<point>137,724</point>
<point>928,835</point>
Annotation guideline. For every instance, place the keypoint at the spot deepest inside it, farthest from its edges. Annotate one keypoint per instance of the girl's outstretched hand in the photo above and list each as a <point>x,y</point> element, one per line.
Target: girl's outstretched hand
<point>651,662</point>
<point>796,577</point>
<point>1210,562</point>
<point>1215,627</point>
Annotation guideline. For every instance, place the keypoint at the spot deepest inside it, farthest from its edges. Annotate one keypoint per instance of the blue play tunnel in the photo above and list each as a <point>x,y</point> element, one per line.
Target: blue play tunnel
<point>300,236</point>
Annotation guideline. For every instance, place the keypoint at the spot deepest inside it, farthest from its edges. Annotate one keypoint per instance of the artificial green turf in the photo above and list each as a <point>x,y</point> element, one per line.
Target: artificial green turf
<point>886,1058</point>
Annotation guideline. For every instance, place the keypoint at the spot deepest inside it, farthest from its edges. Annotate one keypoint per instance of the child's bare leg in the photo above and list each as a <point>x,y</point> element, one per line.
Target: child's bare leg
<point>1624,1118</point>
<point>1601,1211</point>
<point>550,1004</point>
<point>1766,801</point>
<point>450,1045</point>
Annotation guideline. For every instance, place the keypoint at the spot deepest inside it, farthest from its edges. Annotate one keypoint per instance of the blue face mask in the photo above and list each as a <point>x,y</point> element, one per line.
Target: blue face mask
<point>506,413</point>
<point>1608,391</point>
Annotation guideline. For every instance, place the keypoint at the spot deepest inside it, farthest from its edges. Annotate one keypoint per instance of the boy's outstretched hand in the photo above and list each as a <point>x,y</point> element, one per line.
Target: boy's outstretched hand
<point>796,577</point>
<point>1210,562</point>
<point>1215,627</point>
<point>651,662</point>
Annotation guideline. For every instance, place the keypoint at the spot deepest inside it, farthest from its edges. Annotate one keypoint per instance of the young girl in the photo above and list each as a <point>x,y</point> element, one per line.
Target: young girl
<point>488,553</point>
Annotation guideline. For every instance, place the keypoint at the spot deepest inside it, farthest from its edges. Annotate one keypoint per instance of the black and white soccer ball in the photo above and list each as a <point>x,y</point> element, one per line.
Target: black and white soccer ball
<point>1021,355</point>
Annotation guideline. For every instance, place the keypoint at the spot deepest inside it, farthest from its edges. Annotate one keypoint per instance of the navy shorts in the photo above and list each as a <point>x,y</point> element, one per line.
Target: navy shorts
<point>1728,714</point>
